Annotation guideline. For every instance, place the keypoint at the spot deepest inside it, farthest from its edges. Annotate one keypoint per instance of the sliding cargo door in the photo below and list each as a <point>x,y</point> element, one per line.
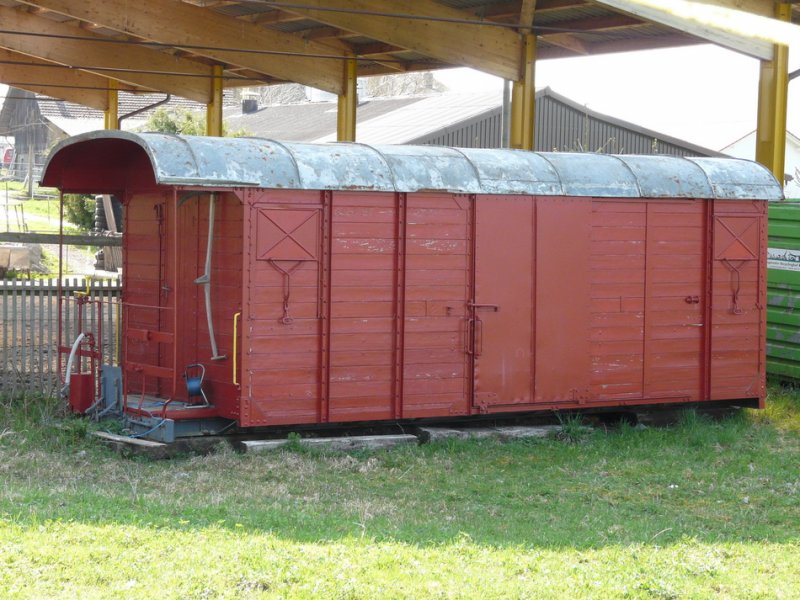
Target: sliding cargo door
<point>281,321</point>
<point>529,316</point>
<point>434,233</point>
<point>500,332</point>
<point>675,300</point>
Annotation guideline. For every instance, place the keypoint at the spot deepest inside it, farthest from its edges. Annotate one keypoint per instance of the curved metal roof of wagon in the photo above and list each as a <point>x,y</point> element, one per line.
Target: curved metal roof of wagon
<point>253,162</point>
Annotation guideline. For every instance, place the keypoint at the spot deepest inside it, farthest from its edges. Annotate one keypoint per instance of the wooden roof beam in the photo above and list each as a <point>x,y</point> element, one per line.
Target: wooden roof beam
<point>109,60</point>
<point>491,49</point>
<point>52,80</point>
<point>511,11</point>
<point>378,69</point>
<point>325,33</point>
<point>526,13</point>
<point>665,13</point>
<point>179,24</point>
<point>274,17</point>
<point>590,24</point>
<point>543,5</point>
<point>568,41</point>
<point>649,43</point>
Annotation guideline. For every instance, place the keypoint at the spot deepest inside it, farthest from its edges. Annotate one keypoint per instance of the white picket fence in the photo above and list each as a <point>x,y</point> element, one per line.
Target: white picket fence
<point>29,358</point>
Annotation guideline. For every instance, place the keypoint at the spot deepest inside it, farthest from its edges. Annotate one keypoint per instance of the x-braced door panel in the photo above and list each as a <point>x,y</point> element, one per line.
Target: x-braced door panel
<point>737,312</point>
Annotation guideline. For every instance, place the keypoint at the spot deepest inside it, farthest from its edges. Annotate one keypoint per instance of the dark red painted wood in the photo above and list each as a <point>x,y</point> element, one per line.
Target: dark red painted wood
<point>563,350</point>
<point>364,306</point>
<point>502,319</point>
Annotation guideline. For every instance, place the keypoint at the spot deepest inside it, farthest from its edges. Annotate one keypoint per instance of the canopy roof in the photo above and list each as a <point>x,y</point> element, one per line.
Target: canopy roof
<point>72,50</point>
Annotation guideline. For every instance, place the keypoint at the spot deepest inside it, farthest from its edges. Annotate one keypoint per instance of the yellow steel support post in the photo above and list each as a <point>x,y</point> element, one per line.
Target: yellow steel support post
<point>214,107</point>
<point>523,97</point>
<point>773,93</point>
<point>348,101</point>
<point>111,115</point>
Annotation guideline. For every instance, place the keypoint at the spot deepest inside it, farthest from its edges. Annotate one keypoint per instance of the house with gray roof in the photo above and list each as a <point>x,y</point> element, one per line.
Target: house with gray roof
<point>473,120</point>
<point>467,120</point>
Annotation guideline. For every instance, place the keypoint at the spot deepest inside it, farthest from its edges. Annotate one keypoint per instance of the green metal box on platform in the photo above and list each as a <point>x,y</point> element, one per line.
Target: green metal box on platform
<point>783,290</point>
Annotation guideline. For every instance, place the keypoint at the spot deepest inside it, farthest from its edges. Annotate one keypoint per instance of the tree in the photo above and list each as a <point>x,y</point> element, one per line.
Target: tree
<point>79,210</point>
<point>184,122</point>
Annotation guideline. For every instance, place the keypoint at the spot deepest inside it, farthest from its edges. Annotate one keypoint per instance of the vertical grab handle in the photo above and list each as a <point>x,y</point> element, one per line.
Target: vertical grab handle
<point>235,345</point>
<point>478,337</point>
<point>469,337</point>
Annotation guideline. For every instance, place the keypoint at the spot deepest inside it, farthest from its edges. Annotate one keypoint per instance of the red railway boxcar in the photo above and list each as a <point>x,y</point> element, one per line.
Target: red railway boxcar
<point>271,283</point>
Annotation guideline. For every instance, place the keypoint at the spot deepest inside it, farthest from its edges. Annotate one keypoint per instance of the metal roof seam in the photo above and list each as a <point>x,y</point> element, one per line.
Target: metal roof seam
<point>185,142</point>
<point>382,157</point>
<point>555,170</point>
<point>471,164</point>
<point>633,174</point>
<point>288,151</point>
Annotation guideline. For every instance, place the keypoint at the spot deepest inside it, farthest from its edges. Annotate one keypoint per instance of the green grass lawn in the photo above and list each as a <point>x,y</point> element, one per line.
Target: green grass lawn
<point>702,509</point>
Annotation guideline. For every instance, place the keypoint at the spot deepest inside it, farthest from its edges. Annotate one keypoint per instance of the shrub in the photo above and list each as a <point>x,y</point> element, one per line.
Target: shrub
<point>79,210</point>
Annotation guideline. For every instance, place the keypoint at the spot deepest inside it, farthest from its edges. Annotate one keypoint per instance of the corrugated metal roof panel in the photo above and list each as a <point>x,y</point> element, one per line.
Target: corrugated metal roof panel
<point>417,168</point>
<point>339,166</point>
<point>665,177</point>
<point>514,172</point>
<point>238,162</point>
<point>737,178</point>
<point>568,14</point>
<point>584,174</point>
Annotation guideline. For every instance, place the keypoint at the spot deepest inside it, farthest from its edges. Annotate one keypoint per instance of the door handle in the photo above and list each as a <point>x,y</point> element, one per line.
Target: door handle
<point>478,337</point>
<point>235,345</point>
<point>692,299</point>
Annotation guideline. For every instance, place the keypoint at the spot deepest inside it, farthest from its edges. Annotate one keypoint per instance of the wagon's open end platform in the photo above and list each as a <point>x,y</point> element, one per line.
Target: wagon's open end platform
<point>163,420</point>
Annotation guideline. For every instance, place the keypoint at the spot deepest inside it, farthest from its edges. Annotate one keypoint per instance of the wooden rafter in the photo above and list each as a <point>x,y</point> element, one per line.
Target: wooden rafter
<point>132,65</point>
<point>568,41</point>
<point>203,31</point>
<point>621,45</point>
<point>664,15</point>
<point>491,49</point>
<point>526,13</point>
<point>45,78</point>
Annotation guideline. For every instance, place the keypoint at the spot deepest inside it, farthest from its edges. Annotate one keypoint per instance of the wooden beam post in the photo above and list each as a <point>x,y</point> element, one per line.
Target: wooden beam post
<point>111,114</point>
<point>523,96</point>
<point>214,106</point>
<point>773,95</point>
<point>348,101</point>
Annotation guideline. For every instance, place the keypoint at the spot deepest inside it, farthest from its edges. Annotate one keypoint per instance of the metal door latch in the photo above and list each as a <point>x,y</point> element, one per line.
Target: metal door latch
<point>492,307</point>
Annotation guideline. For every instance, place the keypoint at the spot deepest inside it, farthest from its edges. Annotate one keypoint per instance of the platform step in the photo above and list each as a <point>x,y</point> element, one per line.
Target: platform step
<point>356,442</point>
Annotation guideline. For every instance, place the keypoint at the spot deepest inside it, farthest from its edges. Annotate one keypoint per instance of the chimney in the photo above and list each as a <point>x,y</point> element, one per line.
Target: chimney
<point>249,102</point>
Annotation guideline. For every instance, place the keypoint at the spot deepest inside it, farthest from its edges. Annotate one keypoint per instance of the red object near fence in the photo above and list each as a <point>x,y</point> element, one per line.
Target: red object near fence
<point>401,283</point>
<point>81,392</point>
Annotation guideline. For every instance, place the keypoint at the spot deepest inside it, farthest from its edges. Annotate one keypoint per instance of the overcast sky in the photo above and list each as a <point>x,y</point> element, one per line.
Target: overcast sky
<point>703,94</point>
